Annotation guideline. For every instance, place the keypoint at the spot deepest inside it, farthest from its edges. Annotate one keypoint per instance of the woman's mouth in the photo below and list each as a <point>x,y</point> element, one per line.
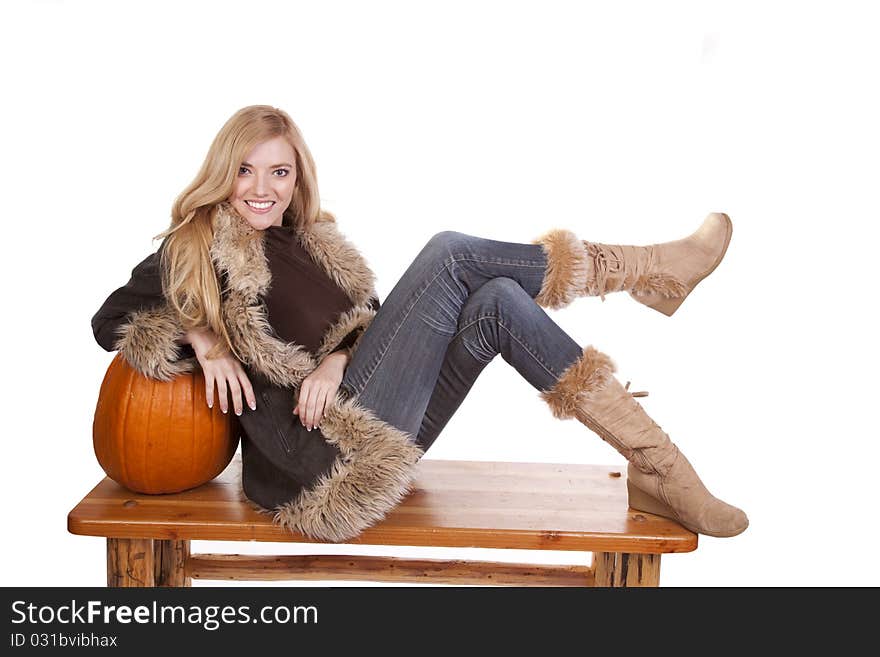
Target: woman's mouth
<point>260,207</point>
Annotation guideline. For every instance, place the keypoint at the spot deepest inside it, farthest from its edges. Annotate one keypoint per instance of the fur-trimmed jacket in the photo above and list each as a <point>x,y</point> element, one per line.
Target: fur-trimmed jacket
<point>328,484</point>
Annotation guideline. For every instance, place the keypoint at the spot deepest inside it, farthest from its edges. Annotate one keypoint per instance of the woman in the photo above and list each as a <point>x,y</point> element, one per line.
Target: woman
<point>254,284</point>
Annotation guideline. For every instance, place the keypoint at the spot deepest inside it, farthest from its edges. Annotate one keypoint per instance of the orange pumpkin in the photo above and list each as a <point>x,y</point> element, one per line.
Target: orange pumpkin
<point>160,437</point>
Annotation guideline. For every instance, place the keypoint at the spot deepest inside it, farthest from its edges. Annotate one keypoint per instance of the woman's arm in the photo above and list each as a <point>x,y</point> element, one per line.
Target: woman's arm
<point>137,321</point>
<point>142,292</point>
<point>224,372</point>
<point>349,340</point>
<point>319,388</point>
<point>133,302</point>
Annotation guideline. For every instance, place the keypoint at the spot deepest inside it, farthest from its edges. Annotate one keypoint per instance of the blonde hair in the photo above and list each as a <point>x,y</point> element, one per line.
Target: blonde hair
<point>189,279</point>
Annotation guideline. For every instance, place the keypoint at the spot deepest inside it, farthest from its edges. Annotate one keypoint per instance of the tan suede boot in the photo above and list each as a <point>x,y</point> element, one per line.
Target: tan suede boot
<point>660,479</point>
<point>661,276</point>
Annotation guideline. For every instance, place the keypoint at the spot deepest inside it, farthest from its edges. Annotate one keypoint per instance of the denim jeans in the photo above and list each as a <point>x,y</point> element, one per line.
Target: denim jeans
<point>461,302</point>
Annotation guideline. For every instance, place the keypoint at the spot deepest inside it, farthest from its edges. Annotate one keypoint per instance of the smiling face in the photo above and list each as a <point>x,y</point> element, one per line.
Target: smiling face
<point>264,185</point>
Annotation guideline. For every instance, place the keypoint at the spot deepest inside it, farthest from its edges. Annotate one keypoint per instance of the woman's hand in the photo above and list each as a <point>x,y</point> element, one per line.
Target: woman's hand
<point>319,388</point>
<point>225,371</point>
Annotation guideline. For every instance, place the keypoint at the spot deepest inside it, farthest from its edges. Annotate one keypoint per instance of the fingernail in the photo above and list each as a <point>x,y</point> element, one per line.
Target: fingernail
<point>210,405</point>
<point>238,412</point>
<point>223,409</point>
<point>253,406</point>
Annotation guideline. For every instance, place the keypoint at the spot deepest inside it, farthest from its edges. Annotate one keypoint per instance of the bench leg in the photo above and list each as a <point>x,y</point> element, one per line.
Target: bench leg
<point>170,559</point>
<point>134,562</point>
<point>626,569</point>
<point>130,562</point>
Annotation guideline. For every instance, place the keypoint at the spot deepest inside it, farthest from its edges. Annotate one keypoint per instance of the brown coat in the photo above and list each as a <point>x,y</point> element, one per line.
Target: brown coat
<point>369,467</point>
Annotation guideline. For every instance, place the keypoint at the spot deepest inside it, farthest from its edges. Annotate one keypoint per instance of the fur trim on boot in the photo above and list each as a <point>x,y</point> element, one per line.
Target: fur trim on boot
<point>567,269</point>
<point>660,276</point>
<point>585,377</point>
<point>660,479</point>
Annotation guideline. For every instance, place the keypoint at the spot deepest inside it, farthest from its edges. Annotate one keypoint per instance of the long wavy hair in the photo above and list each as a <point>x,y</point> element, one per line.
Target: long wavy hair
<point>189,280</point>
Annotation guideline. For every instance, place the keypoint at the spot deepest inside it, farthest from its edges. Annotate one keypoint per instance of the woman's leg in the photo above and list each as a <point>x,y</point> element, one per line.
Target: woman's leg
<point>660,276</point>
<point>552,271</point>
<point>499,318</point>
<point>398,360</point>
<point>405,354</point>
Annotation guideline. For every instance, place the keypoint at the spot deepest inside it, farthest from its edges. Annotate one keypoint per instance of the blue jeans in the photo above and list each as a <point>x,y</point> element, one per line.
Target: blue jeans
<point>461,302</point>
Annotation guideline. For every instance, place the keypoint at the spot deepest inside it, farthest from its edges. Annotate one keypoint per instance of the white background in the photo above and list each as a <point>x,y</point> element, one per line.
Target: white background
<point>623,121</point>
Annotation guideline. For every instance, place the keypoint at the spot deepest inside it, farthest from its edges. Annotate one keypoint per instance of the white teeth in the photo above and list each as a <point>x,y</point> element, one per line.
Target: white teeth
<point>260,206</point>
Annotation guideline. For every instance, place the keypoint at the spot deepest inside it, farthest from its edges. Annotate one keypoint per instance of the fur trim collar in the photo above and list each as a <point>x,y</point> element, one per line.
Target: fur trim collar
<point>374,469</point>
<point>237,251</point>
<point>149,339</point>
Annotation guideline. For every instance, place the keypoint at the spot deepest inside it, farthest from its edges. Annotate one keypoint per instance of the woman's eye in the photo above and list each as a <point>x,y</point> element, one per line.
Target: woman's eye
<point>281,172</point>
<point>242,171</point>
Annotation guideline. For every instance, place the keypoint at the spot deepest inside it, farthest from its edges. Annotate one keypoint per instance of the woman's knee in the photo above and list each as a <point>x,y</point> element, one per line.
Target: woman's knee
<point>499,301</point>
<point>446,244</point>
<point>500,293</point>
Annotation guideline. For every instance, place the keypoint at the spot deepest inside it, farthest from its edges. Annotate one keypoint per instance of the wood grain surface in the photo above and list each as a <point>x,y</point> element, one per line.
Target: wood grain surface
<point>452,504</point>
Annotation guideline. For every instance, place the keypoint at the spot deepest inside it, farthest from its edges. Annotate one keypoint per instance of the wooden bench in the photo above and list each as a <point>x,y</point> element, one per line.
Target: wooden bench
<point>456,504</point>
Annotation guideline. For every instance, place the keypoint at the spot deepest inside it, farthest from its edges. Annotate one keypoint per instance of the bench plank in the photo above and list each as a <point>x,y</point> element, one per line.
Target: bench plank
<point>385,569</point>
<point>542,506</point>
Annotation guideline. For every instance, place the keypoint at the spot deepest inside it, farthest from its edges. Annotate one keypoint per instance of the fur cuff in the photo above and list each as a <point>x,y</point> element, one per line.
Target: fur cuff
<point>567,269</point>
<point>371,476</point>
<point>148,341</point>
<point>358,317</point>
<point>589,374</point>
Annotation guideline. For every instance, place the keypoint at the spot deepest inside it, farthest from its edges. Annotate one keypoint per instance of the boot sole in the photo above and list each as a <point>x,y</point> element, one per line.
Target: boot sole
<point>668,306</point>
<point>643,501</point>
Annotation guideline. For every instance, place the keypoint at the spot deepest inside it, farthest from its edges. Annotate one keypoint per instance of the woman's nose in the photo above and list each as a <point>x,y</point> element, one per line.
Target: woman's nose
<point>260,185</point>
